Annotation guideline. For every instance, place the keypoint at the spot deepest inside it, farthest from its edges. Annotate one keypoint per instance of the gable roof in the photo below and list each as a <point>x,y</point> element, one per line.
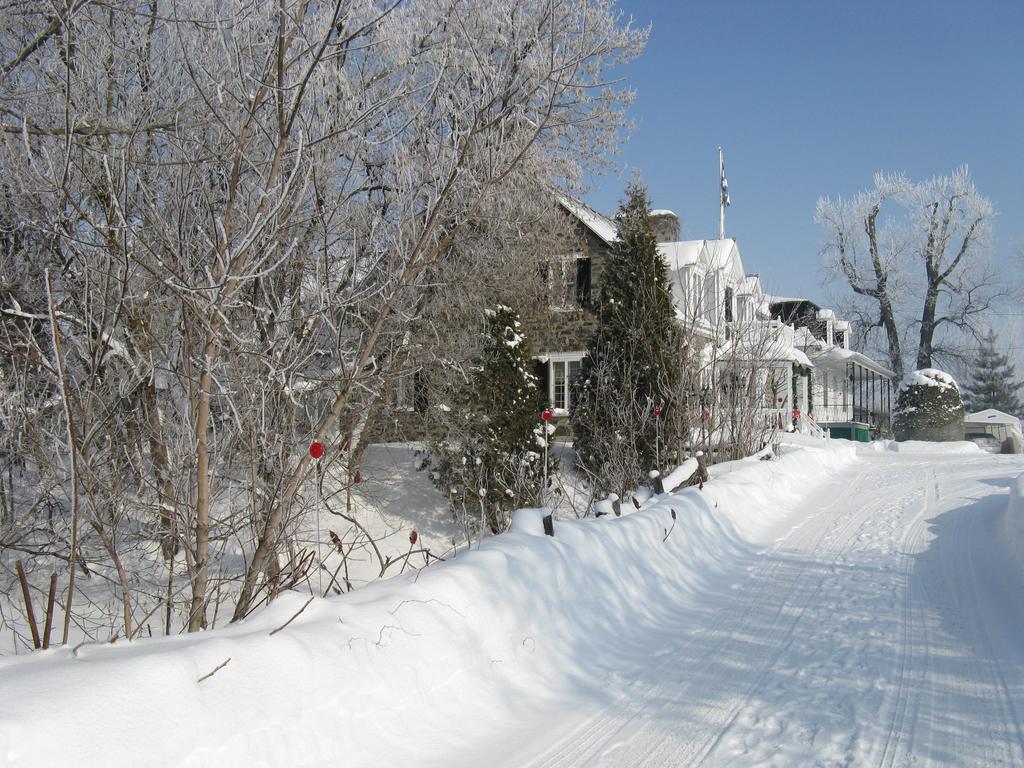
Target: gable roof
<point>598,223</point>
<point>682,253</point>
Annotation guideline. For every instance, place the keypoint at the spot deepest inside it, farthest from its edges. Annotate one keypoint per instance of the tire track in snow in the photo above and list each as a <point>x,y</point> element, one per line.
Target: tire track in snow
<point>901,705</point>
<point>776,584</point>
<point>836,641</point>
<point>609,723</point>
<point>831,536</point>
<point>837,539</point>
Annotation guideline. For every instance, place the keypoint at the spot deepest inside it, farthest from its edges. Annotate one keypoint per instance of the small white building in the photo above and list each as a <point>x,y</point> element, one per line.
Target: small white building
<point>994,431</point>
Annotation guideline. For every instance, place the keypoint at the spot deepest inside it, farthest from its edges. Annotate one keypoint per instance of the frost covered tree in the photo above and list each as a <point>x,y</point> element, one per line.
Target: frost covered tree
<point>489,462</point>
<point>928,407</point>
<point>992,382</point>
<point>631,365</point>
<point>246,208</point>
<point>913,256</point>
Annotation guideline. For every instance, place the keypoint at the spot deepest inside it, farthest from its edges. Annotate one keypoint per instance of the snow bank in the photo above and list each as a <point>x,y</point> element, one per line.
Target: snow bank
<point>410,669</point>
<point>925,447</point>
<point>1013,525</point>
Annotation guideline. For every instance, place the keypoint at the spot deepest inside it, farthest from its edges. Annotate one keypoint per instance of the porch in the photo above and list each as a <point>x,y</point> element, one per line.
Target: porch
<point>853,395</point>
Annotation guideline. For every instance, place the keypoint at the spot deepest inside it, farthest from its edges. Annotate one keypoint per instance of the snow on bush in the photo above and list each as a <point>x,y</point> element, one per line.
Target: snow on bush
<point>928,407</point>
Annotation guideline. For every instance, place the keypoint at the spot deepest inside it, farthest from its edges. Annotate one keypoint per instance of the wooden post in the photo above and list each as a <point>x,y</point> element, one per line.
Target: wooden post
<point>50,600</point>
<point>28,604</point>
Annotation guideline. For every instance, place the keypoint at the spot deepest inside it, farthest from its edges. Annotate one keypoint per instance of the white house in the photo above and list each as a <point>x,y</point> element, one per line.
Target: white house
<point>797,354</point>
<point>849,394</point>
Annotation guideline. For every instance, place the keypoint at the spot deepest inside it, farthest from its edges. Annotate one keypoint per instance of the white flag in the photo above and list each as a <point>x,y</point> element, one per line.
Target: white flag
<point>725,181</point>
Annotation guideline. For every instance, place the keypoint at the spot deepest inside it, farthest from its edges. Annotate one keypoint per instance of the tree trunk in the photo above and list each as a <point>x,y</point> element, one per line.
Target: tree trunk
<point>924,348</point>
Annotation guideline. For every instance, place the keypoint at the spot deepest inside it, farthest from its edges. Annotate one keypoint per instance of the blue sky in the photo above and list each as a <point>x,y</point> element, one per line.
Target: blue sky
<point>812,98</point>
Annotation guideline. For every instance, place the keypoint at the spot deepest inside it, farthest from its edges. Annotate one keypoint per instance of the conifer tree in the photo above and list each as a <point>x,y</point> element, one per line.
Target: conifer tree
<point>490,465</point>
<point>992,383</point>
<point>631,364</point>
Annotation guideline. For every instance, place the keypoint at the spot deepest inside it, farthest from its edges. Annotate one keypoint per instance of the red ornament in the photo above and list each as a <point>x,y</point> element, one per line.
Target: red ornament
<point>657,411</point>
<point>412,538</point>
<point>316,449</point>
<point>547,415</point>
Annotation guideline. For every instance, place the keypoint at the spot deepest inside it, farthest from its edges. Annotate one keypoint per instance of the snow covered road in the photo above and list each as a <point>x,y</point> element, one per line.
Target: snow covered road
<point>883,626</point>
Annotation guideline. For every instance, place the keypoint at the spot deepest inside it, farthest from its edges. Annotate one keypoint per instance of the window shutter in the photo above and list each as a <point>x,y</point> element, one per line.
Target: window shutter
<point>543,373</point>
<point>419,392</point>
<point>583,282</point>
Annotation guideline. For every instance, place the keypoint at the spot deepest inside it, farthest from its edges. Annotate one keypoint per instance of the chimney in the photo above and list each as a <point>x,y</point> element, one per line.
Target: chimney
<point>665,225</point>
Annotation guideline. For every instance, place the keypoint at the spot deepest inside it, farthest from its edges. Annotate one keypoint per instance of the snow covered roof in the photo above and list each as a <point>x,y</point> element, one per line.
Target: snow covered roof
<point>834,356</point>
<point>681,254</point>
<point>750,284</point>
<point>777,350</point>
<point>992,416</point>
<point>598,223</point>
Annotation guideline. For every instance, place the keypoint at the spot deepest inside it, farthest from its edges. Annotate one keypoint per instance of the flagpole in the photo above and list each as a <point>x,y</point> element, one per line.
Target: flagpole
<point>721,196</point>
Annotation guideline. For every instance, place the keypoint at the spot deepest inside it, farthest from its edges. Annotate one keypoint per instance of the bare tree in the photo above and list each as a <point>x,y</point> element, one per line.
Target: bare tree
<point>921,268</point>
<point>248,209</point>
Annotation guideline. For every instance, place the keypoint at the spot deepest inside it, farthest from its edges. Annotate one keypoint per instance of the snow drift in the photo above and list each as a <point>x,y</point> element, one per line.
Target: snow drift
<point>1013,525</point>
<point>412,668</point>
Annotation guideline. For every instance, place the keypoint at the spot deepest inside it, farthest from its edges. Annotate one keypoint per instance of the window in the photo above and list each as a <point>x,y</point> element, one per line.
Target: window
<point>411,391</point>
<point>710,303</point>
<point>420,387</point>
<point>561,372</point>
<point>404,391</point>
<point>568,281</point>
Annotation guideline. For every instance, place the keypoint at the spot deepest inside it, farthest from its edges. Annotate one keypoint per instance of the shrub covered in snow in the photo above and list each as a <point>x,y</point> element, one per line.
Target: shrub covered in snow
<point>928,407</point>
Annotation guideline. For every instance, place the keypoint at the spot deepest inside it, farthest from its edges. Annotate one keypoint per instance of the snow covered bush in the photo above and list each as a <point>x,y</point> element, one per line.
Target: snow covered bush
<point>928,407</point>
<point>491,461</point>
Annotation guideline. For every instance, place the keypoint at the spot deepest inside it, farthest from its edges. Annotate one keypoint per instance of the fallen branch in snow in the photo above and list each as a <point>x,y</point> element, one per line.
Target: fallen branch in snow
<point>304,606</point>
<point>214,671</point>
<point>668,531</point>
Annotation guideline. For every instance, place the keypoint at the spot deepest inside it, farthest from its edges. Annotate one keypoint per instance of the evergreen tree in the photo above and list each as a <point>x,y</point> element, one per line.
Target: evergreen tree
<point>631,365</point>
<point>490,464</point>
<point>992,383</point>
